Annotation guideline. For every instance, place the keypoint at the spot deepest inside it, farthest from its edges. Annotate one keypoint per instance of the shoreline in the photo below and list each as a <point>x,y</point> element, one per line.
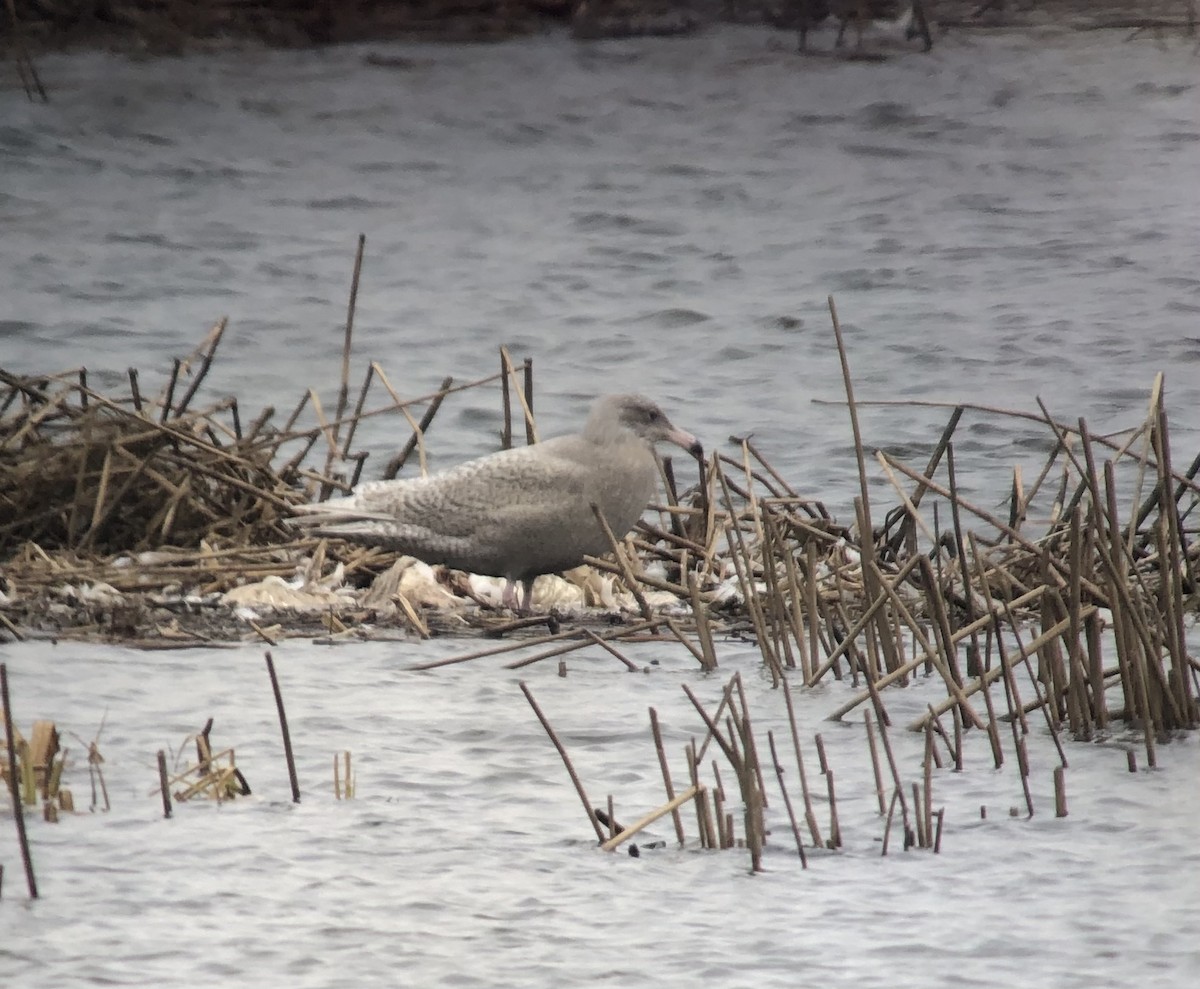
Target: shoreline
<point>193,26</point>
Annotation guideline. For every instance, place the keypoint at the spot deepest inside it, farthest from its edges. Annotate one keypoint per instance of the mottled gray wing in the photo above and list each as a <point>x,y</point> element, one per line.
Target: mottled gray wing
<point>519,484</point>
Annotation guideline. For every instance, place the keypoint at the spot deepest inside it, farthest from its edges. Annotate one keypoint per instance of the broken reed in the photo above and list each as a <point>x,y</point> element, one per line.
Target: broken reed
<point>10,743</point>
<point>345,782</point>
<point>40,761</point>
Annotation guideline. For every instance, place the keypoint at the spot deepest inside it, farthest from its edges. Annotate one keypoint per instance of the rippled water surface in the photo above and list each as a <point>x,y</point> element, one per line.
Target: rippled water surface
<point>465,858</point>
<point>1011,216</point>
<point>1007,217</point>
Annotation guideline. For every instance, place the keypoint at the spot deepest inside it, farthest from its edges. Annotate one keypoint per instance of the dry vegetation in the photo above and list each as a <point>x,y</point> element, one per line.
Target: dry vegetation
<point>131,518</point>
<point>144,518</point>
<point>139,517</point>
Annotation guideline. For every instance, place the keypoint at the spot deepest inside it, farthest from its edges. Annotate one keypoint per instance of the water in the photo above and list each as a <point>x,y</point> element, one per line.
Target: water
<point>1013,215</point>
<point>466,859</point>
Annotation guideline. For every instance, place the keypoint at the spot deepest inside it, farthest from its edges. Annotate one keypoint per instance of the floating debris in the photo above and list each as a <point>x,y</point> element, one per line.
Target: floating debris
<point>40,761</point>
<point>213,775</point>
<point>345,782</point>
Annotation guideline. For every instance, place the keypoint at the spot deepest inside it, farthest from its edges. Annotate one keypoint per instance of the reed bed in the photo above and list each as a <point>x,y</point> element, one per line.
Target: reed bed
<point>1078,620</point>
<point>141,517</point>
<point>734,792</point>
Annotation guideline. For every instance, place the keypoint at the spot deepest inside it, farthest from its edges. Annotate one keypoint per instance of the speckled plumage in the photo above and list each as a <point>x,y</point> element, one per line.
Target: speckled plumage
<point>521,512</point>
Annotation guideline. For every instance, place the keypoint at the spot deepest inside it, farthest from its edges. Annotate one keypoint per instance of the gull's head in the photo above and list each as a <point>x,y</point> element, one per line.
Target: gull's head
<point>614,415</point>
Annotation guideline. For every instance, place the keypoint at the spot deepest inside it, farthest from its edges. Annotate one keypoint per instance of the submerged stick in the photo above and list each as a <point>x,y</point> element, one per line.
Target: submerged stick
<point>577,643</point>
<point>587,804</point>
<point>810,815</point>
<point>611,650</point>
<point>787,801</point>
<point>703,821</point>
<point>835,828</point>
<point>18,809</point>
<point>666,773</point>
<point>879,791</point>
<point>887,824</point>
<point>571,634</point>
<point>1060,792</point>
<point>163,786</point>
<point>748,743</point>
<point>287,738</point>
<point>891,759</point>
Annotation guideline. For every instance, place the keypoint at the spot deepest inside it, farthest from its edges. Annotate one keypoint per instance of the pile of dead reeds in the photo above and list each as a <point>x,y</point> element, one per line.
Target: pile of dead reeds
<point>83,472</point>
<point>110,501</point>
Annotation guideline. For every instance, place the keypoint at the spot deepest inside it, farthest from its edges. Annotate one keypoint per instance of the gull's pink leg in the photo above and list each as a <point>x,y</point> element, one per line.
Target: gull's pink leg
<point>509,598</point>
<point>527,596</point>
